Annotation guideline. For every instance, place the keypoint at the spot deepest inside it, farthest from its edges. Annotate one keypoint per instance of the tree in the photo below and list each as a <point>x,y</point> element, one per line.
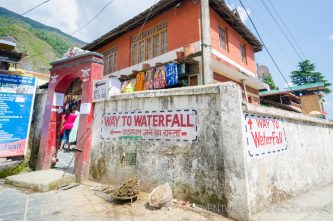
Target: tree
<point>307,74</point>
<point>269,80</point>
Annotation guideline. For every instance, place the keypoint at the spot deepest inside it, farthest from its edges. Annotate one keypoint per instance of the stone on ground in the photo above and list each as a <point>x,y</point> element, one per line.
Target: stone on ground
<point>41,181</point>
<point>161,196</point>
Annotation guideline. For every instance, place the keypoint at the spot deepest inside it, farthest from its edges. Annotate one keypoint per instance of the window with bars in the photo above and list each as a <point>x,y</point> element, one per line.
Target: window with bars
<point>243,53</point>
<point>110,61</point>
<point>150,43</point>
<point>223,38</point>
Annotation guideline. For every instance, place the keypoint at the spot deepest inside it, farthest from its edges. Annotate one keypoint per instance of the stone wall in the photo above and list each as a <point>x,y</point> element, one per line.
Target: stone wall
<point>221,170</point>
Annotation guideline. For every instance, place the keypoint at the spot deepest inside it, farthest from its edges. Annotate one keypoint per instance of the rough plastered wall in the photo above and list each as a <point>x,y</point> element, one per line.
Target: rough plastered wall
<point>196,171</point>
<point>305,164</point>
<point>36,126</point>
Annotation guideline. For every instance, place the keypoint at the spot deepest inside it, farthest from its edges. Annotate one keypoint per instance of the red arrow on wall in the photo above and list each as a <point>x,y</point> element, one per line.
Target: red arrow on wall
<point>250,123</point>
<point>115,132</point>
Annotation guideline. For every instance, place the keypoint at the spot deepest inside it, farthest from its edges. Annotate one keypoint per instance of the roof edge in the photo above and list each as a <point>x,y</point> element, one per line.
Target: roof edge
<point>163,5</point>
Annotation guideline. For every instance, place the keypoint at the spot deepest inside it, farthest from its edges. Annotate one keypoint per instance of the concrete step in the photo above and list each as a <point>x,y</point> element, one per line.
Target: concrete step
<point>42,180</point>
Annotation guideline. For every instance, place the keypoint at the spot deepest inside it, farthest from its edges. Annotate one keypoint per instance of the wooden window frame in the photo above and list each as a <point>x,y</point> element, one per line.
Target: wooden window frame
<point>243,58</point>
<point>151,48</point>
<point>110,60</point>
<point>220,28</point>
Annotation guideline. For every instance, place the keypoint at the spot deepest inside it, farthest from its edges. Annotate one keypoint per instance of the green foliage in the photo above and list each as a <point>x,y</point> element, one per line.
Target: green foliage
<point>307,74</point>
<point>40,43</point>
<point>269,80</point>
<point>21,168</point>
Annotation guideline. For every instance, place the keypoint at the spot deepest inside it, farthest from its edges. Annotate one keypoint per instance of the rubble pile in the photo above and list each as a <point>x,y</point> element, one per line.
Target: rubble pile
<point>128,189</point>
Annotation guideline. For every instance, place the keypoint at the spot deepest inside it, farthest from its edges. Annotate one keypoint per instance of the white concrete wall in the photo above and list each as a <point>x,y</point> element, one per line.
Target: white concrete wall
<point>216,170</point>
<point>197,171</point>
<point>306,164</point>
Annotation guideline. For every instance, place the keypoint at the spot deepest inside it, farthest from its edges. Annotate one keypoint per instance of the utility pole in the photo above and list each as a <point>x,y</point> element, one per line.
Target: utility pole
<point>206,44</point>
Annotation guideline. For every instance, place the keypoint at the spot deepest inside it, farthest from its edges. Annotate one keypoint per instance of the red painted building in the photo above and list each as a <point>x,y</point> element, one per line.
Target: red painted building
<point>174,24</point>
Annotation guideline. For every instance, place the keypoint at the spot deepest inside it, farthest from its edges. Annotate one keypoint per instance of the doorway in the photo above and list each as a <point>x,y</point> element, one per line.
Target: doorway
<point>71,105</point>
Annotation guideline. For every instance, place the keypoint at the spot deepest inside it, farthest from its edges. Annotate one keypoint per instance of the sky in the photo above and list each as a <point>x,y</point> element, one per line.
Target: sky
<point>310,23</point>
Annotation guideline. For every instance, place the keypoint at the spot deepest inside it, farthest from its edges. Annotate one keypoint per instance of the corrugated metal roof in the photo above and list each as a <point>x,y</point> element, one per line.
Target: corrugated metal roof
<point>319,85</point>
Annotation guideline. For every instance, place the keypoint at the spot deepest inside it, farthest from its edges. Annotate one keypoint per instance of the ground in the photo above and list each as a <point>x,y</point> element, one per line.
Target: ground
<point>81,203</point>
<point>316,205</point>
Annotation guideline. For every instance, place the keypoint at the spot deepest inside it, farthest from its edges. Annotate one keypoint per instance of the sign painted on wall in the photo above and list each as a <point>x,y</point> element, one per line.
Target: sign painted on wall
<point>101,90</point>
<point>16,102</point>
<point>104,89</point>
<point>169,125</point>
<point>264,135</point>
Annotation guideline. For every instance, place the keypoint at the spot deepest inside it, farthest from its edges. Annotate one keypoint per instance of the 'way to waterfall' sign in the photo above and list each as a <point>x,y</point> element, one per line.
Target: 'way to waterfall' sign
<point>264,135</point>
<point>168,125</point>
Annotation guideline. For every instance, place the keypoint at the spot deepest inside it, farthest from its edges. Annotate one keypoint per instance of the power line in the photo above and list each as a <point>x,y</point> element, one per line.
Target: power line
<point>271,35</point>
<point>286,27</point>
<point>44,2</point>
<point>282,31</point>
<point>269,53</point>
<point>85,25</point>
<point>143,25</point>
<point>79,29</point>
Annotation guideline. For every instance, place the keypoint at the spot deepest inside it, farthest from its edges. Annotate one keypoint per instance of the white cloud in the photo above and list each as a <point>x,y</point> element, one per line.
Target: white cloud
<point>242,13</point>
<point>69,15</point>
<point>330,37</point>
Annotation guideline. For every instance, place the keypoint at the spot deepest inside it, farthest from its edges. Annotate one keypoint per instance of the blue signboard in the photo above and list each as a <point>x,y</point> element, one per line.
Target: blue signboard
<point>17,95</point>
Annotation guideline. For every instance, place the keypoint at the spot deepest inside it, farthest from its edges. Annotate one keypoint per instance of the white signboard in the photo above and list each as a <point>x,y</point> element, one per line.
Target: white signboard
<point>169,125</point>
<point>58,99</point>
<point>85,108</point>
<point>264,135</point>
<point>103,89</point>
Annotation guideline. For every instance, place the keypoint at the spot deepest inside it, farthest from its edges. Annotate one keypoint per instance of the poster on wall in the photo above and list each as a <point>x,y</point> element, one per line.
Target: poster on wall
<point>17,95</point>
<point>168,125</point>
<point>264,135</point>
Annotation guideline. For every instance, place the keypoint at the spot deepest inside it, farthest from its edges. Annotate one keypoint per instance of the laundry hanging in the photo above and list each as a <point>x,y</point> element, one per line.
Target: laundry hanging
<point>171,74</point>
<point>140,81</point>
<point>159,78</point>
<point>149,79</point>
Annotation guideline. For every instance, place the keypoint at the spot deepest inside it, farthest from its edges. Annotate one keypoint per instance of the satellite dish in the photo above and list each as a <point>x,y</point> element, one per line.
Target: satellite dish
<point>263,71</point>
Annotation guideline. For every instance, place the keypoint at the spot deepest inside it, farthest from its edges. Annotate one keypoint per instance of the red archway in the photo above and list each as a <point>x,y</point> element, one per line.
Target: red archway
<point>88,67</point>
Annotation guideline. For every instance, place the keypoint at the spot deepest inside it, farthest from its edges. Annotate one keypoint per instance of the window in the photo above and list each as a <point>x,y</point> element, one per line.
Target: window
<point>243,53</point>
<point>223,38</point>
<point>150,43</point>
<point>110,61</point>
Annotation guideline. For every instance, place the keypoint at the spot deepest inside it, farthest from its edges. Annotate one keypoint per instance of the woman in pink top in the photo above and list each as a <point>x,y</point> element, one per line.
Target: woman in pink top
<point>67,126</point>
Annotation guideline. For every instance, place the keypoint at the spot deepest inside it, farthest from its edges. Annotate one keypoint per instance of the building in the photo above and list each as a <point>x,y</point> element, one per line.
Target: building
<point>8,56</point>
<point>173,28</point>
<point>306,99</point>
<point>285,100</point>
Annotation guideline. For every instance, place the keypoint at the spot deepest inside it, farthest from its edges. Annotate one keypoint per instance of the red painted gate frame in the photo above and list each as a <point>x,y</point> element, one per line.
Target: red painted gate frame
<point>88,67</point>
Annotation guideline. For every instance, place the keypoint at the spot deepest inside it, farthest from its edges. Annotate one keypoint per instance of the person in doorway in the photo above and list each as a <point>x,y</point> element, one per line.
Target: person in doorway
<point>67,126</point>
<point>73,134</point>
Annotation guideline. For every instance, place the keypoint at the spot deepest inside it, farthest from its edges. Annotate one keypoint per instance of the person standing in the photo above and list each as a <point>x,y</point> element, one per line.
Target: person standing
<point>67,127</point>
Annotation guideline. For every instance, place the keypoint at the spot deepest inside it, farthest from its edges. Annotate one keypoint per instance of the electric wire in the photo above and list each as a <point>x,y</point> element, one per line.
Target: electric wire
<point>286,27</point>
<point>44,2</point>
<point>281,29</point>
<point>26,12</point>
<point>273,37</point>
<point>83,26</point>
<point>269,53</point>
<point>86,24</point>
<point>142,27</point>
